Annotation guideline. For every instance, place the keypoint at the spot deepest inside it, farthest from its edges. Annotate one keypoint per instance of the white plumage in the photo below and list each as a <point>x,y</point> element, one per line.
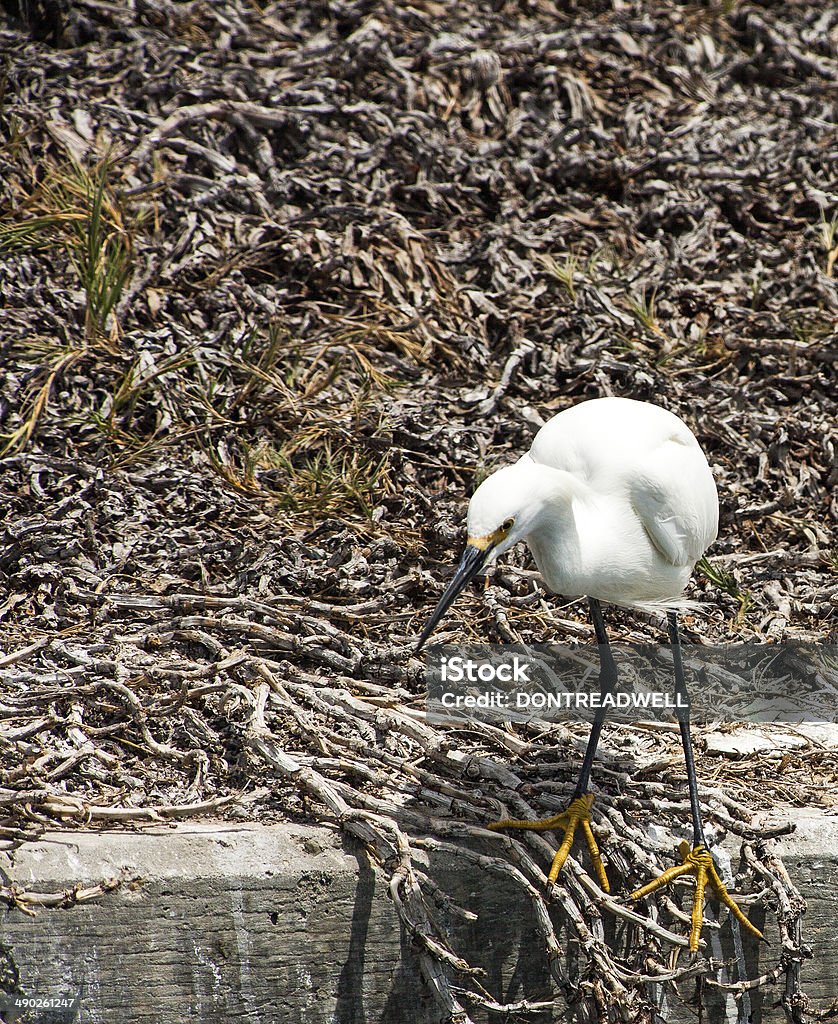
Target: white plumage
<point>615,499</point>
<point>617,503</point>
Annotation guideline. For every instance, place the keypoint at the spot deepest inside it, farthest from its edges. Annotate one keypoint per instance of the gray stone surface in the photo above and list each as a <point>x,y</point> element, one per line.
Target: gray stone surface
<point>283,923</point>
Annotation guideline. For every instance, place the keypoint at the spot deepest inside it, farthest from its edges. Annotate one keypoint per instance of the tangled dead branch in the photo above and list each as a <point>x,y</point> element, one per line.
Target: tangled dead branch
<point>357,751</point>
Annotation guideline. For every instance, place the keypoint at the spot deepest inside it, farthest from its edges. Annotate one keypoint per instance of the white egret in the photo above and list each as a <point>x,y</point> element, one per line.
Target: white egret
<point>616,502</point>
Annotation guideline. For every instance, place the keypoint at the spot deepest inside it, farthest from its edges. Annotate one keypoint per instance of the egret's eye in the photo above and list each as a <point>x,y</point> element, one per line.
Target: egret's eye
<point>507,524</point>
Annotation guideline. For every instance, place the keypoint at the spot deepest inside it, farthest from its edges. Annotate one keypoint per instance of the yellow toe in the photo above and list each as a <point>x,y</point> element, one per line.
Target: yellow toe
<point>698,862</point>
<point>578,813</point>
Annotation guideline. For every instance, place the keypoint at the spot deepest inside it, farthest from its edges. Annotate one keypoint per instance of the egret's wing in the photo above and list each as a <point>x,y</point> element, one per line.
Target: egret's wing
<point>640,457</point>
<point>674,495</point>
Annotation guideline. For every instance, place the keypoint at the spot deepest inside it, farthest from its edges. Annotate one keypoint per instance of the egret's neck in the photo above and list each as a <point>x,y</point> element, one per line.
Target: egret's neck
<point>553,531</point>
<point>551,494</point>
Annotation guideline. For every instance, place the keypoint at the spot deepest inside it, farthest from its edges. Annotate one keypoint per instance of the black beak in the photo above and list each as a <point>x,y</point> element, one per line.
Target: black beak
<point>470,565</point>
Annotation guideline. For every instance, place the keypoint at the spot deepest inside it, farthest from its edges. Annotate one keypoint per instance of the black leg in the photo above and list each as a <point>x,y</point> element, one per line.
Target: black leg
<point>697,861</point>
<point>684,723</point>
<point>607,682</point>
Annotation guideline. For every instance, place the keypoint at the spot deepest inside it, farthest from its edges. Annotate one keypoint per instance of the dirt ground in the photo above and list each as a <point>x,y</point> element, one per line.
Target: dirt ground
<point>279,284</point>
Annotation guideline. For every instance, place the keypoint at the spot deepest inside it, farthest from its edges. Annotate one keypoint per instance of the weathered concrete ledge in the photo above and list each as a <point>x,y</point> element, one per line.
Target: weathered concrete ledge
<point>285,923</point>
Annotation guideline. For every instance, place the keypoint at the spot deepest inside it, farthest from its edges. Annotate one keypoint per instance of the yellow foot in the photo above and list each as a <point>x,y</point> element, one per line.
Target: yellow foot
<point>698,862</point>
<point>579,813</point>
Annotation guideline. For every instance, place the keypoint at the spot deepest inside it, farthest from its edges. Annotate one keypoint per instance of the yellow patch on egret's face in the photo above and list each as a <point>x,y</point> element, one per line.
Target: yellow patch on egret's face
<point>481,543</point>
<point>490,540</point>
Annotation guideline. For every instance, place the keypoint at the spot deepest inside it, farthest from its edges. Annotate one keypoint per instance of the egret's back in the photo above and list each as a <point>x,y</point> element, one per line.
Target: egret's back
<point>606,438</point>
<point>645,476</point>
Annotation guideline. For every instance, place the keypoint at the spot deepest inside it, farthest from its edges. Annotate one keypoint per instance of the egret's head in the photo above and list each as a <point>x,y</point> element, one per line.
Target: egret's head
<point>502,511</point>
